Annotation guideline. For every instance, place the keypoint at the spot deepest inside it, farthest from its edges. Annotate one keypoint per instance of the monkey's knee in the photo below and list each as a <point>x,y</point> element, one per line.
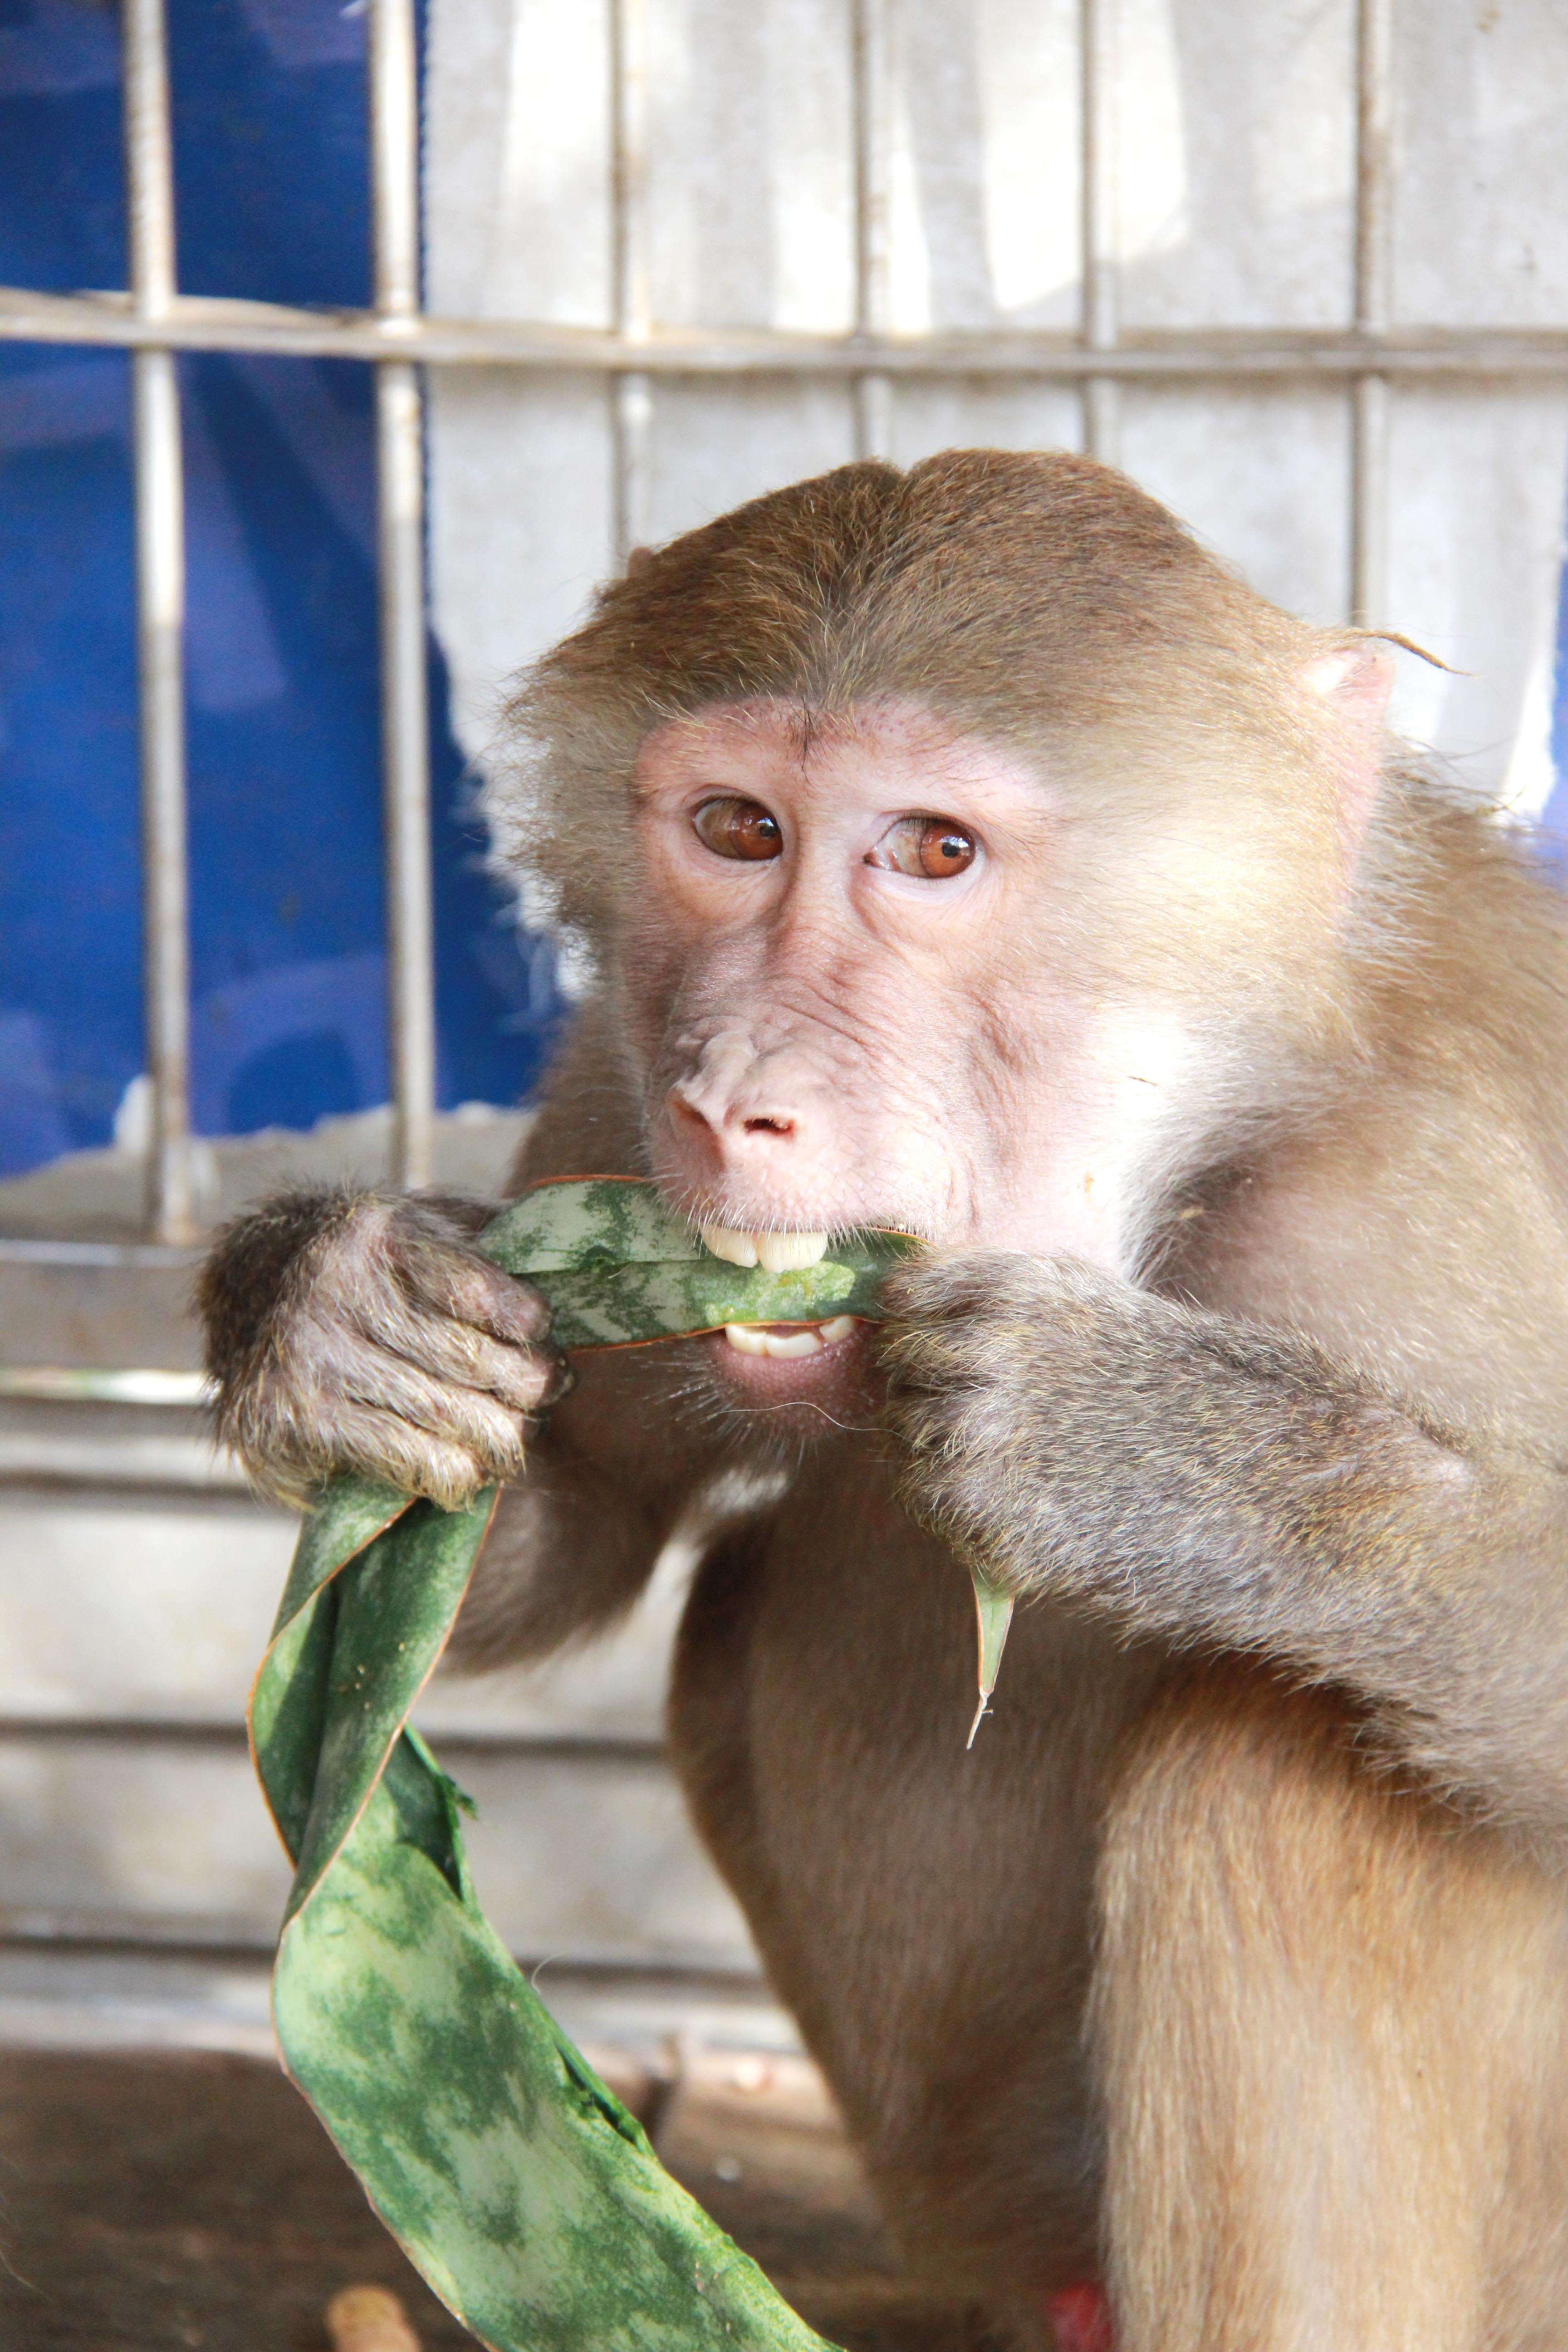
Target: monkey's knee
<point>1323,2013</point>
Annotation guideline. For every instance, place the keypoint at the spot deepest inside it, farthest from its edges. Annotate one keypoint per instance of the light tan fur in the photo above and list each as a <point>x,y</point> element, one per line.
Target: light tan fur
<point>1231,1961</point>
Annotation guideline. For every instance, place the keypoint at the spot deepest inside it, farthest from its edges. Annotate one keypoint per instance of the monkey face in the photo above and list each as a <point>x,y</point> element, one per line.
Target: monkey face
<point>963,851</point>
<point>858,987</point>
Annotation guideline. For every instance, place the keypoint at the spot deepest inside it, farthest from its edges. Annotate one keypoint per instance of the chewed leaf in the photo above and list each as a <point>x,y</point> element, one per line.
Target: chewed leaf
<point>617,1266</point>
<point>589,1221</point>
<point>629,1303</point>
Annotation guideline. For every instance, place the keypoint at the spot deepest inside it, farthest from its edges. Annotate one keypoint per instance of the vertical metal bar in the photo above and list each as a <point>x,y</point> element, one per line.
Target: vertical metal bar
<point>631,393</point>
<point>405,713</point>
<point>1098,206</point>
<point>1374,292</point>
<point>873,276</point>
<point>160,627</point>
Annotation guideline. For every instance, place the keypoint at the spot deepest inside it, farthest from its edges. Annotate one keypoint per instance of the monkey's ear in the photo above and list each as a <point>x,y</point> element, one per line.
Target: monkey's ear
<point>1355,679</point>
<point>1354,682</point>
<point>637,558</point>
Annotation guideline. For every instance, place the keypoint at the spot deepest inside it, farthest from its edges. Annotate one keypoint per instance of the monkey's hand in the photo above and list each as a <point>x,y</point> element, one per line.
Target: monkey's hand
<point>1196,1477</point>
<point>1217,1486</point>
<point>363,1332</point>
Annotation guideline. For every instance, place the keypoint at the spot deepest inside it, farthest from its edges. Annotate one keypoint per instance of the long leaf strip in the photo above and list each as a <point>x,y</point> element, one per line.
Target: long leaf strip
<point>515,2181</point>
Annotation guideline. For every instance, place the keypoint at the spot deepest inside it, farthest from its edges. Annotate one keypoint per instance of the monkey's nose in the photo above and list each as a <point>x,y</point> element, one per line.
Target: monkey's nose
<point>695,1111</point>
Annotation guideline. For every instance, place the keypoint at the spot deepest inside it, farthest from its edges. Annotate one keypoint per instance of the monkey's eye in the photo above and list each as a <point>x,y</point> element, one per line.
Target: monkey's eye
<point>930,846</point>
<point>737,828</point>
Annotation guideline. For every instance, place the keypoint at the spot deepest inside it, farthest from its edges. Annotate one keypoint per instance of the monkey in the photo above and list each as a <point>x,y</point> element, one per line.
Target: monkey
<point>965,849</point>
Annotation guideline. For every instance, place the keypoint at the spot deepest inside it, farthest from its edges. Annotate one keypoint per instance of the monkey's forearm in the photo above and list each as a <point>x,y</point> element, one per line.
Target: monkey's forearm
<point>1221,1488</point>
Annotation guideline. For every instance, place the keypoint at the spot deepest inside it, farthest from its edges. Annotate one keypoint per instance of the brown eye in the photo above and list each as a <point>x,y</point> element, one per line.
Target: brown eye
<point>944,849</point>
<point>737,828</point>
<point>930,846</point>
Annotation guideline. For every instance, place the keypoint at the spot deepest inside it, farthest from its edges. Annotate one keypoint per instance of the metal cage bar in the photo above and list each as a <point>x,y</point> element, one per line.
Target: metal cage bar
<point>631,390</point>
<point>1161,356</point>
<point>171,1207</point>
<point>400,481</point>
<point>152,322</point>
<point>872,81</point>
<point>1097,223</point>
<point>1368,504</point>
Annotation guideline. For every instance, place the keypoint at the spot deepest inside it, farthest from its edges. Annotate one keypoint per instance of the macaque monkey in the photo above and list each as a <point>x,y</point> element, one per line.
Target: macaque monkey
<point>966,850</point>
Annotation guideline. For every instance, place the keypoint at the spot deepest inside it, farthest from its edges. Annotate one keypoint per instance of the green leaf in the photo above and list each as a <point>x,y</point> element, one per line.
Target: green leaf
<point>512,2178</point>
<point>993,1617</point>
<point>617,1267</point>
<point>517,2185</point>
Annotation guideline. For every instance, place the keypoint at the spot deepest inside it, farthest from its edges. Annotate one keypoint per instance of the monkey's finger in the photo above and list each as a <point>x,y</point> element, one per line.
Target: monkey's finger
<point>527,1378</point>
<point>469,1290</point>
<point>382,1445</point>
<point>488,1429</point>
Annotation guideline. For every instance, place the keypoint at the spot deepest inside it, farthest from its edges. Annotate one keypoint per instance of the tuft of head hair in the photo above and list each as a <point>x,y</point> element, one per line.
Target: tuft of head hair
<point>1037,598</point>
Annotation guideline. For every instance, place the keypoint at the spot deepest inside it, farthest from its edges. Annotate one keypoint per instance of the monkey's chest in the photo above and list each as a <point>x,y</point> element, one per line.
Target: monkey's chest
<point>923,1908</point>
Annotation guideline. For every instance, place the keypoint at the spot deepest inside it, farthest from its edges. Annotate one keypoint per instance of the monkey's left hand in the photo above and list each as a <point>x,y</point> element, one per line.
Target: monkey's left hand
<point>1202,1479</point>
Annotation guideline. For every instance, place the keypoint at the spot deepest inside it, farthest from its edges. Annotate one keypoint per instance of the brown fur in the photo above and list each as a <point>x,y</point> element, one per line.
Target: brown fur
<point>1232,1957</point>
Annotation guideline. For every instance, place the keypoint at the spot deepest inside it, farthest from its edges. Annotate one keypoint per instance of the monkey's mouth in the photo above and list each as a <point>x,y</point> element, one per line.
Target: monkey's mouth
<point>788,1342</point>
<point>821,1364</point>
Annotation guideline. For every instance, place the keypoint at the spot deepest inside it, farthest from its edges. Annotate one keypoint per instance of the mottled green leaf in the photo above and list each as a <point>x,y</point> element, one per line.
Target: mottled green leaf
<point>588,1221</point>
<point>519,2186</point>
<point>513,2179</point>
<point>617,1266</point>
<point>523,2192</point>
<point>394,1614</point>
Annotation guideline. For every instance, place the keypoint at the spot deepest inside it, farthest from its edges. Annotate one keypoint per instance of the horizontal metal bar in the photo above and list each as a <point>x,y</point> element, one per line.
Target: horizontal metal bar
<point>61,1384</point>
<point>230,1736</point>
<point>198,322</point>
<point>23,1250</point>
<point>121,1934</point>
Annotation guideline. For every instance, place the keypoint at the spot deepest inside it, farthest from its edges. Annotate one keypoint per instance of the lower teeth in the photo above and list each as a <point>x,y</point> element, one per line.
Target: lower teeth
<point>755,1339</point>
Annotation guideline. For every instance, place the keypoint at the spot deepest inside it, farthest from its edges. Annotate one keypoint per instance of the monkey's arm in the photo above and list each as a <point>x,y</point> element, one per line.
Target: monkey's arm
<point>1226,1487</point>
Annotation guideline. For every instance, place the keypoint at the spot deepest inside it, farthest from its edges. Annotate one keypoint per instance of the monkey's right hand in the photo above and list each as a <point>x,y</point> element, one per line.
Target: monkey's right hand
<point>362,1332</point>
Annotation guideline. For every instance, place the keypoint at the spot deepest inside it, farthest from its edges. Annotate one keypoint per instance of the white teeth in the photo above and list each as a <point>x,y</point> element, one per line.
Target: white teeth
<point>778,1252</point>
<point>756,1339</point>
<point>786,1253</point>
<point>750,1340</point>
<point>722,1241</point>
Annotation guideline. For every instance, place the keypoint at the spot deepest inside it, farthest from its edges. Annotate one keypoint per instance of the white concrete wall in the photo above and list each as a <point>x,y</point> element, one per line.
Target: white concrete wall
<point>1235,178</point>
<point>133,1611</point>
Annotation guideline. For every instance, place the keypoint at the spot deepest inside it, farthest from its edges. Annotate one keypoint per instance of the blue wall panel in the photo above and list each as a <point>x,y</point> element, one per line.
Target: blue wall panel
<point>286,971</point>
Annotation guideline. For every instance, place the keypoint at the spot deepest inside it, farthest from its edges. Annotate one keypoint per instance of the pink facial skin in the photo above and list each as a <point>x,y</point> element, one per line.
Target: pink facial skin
<point>830,1042</point>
